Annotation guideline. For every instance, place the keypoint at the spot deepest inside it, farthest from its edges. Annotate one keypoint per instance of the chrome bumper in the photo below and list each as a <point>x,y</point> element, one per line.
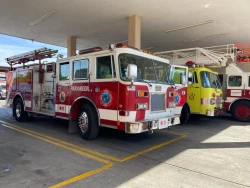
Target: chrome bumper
<point>215,112</point>
<point>139,127</point>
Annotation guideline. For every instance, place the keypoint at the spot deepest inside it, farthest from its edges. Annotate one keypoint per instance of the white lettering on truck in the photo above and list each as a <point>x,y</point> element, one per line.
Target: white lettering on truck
<point>80,88</point>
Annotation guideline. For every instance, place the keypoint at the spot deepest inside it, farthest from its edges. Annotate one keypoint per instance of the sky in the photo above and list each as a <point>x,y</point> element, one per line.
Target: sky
<point>10,46</point>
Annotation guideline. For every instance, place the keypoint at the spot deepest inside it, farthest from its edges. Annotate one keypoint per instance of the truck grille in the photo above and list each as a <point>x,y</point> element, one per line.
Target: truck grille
<point>157,102</point>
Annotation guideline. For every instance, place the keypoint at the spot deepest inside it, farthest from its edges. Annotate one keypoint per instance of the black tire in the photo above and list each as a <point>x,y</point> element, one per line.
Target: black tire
<point>241,111</point>
<point>185,114</point>
<point>18,111</point>
<point>90,131</point>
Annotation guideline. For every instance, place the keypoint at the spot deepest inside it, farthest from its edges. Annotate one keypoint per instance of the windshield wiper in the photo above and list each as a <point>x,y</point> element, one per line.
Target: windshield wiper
<point>170,82</point>
<point>150,85</point>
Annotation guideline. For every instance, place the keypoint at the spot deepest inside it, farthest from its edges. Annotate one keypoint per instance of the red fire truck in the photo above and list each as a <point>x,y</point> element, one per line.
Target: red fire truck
<point>121,88</point>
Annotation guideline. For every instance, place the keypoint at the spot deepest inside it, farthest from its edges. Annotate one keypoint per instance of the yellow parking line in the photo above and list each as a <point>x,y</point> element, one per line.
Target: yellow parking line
<point>67,143</point>
<point>152,148</point>
<point>181,136</point>
<point>76,178</point>
<point>82,151</point>
<point>82,176</point>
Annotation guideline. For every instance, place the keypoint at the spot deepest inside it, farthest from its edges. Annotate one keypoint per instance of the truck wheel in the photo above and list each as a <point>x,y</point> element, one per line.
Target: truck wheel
<point>18,111</point>
<point>185,114</point>
<point>88,122</point>
<point>241,111</point>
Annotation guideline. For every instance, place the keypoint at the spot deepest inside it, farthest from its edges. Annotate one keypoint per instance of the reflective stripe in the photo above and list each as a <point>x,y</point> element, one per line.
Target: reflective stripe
<point>205,101</point>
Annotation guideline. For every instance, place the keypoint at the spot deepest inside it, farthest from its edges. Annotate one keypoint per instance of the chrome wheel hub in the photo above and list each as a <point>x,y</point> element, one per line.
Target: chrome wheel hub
<point>18,110</point>
<point>83,122</point>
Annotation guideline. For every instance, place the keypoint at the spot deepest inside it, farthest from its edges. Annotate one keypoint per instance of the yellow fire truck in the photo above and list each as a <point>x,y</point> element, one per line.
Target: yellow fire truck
<point>204,95</point>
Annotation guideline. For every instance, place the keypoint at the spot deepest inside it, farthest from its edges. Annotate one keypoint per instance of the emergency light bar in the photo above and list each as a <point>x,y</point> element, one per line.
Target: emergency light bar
<point>90,50</point>
<point>38,54</point>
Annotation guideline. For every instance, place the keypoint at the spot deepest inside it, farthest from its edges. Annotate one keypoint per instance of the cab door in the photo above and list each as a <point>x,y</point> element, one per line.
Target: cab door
<point>180,78</point>
<point>194,90</point>
<point>63,90</point>
<point>247,87</point>
<point>106,90</point>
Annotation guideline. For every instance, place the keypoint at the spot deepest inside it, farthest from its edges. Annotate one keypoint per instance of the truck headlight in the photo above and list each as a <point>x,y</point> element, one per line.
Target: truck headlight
<point>212,101</point>
<point>141,106</point>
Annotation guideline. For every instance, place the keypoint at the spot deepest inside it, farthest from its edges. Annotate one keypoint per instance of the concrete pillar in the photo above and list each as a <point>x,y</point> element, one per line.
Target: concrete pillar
<point>71,46</point>
<point>134,31</point>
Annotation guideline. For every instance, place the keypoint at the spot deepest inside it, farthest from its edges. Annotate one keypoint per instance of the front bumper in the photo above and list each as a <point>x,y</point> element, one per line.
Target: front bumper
<point>139,127</point>
<point>215,112</point>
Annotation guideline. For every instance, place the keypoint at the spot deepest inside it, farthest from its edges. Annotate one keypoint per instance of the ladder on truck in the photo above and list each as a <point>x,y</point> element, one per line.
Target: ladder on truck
<point>218,56</point>
<point>34,55</point>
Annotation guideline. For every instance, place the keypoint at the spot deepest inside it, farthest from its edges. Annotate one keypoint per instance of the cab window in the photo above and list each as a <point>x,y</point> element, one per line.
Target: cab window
<point>64,71</point>
<point>179,75</point>
<point>234,81</point>
<point>104,67</point>
<point>80,69</point>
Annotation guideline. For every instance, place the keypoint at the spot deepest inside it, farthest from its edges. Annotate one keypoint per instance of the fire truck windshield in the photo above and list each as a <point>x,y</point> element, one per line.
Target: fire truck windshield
<point>210,80</point>
<point>148,70</point>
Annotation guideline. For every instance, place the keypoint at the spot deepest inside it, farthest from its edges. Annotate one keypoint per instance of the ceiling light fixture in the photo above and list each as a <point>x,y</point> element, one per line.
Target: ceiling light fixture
<point>123,41</point>
<point>208,37</point>
<point>149,48</point>
<point>208,5</point>
<point>42,18</point>
<point>186,27</point>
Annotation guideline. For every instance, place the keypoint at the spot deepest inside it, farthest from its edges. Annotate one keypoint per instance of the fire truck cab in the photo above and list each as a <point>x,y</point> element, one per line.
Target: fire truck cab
<point>120,88</point>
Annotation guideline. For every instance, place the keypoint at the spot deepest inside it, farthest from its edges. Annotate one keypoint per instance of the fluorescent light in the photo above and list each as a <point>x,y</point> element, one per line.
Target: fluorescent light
<point>123,41</point>
<point>208,37</point>
<point>208,5</point>
<point>149,48</point>
<point>194,25</point>
<point>42,18</point>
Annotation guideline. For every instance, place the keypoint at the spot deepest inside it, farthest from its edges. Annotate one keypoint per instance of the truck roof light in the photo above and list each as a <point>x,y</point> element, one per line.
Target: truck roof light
<point>190,63</point>
<point>90,50</point>
<point>120,45</point>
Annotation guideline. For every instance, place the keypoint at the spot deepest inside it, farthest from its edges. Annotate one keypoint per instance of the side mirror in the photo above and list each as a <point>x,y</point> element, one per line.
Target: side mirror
<point>53,76</point>
<point>190,74</point>
<point>131,72</point>
<point>183,79</point>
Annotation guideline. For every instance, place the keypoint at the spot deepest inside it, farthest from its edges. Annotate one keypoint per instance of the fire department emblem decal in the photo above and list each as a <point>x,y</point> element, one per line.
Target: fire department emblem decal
<point>177,98</point>
<point>62,97</point>
<point>106,98</point>
<point>191,96</point>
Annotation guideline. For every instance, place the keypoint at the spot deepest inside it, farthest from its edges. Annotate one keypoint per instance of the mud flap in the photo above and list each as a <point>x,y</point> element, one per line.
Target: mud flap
<point>73,127</point>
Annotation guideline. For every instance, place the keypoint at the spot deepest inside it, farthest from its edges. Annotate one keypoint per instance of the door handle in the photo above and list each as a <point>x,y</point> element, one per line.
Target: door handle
<point>196,87</point>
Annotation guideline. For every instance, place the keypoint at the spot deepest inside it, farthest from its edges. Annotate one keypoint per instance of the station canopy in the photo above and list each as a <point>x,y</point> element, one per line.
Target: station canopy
<point>165,24</point>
